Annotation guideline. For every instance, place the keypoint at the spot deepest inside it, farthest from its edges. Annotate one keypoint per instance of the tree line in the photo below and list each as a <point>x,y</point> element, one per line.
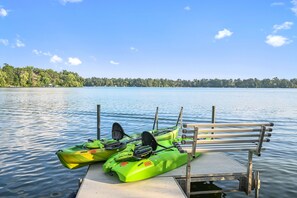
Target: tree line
<point>34,77</point>
<point>149,82</point>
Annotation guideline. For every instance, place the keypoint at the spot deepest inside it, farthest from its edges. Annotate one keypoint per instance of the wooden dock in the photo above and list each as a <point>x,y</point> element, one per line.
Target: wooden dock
<point>98,184</point>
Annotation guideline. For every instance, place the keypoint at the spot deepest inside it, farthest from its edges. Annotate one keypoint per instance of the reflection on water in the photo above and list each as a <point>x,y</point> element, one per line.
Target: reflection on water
<point>36,122</point>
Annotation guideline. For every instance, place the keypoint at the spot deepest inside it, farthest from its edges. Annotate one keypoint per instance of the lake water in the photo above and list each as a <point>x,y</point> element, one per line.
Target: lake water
<point>36,122</point>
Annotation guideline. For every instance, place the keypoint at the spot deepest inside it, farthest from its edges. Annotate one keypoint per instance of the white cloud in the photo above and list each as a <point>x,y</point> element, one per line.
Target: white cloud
<point>3,12</point>
<point>35,51</point>
<point>19,43</point>
<point>223,33</point>
<point>277,4</point>
<point>56,59</point>
<point>294,8</point>
<point>74,61</point>
<point>114,62</point>
<point>39,52</point>
<point>277,41</point>
<point>187,8</point>
<point>64,2</point>
<point>285,26</point>
<point>46,54</point>
<point>4,42</point>
<point>133,49</point>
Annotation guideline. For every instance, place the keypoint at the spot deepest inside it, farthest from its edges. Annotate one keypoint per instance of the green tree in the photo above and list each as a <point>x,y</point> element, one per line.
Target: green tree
<point>3,78</point>
<point>10,74</point>
<point>24,78</point>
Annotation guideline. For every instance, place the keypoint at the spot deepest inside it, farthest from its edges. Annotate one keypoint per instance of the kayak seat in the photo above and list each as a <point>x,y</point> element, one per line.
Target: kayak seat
<point>149,140</point>
<point>114,145</point>
<point>149,144</point>
<point>117,132</point>
<point>142,152</point>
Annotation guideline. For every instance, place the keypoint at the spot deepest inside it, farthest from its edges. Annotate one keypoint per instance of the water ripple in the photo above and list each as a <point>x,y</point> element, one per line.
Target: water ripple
<point>35,123</point>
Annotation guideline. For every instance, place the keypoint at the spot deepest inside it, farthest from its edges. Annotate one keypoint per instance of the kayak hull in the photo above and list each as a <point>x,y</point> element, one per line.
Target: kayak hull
<point>76,157</point>
<point>132,170</point>
<point>81,155</point>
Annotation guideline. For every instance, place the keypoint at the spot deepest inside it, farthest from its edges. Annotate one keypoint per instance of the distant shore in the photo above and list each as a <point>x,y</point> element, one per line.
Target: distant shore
<point>150,87</point>
<point>35,77</point>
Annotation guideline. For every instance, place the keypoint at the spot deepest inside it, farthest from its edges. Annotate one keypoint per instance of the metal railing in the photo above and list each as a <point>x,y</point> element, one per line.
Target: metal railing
<point>226,137</point>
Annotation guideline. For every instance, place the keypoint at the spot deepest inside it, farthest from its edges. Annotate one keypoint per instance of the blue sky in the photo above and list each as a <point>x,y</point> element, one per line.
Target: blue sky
<point>172,39</point>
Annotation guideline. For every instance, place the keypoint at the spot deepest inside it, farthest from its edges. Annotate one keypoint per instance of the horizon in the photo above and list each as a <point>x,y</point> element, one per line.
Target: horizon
<point>147,78</point>
<point>168,39</point>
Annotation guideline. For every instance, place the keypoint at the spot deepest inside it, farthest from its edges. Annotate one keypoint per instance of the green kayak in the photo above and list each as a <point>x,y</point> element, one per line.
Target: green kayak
<point>149,160</point>
<point>100,150</point>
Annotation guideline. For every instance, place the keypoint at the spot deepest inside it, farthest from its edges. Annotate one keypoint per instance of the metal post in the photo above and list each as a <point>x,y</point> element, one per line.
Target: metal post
<point>261,138</point>
<point>257,184</point>
<point>188,176</point>
<point>98,122</point>
<point>249,173</point>
<point>195,141</point>
<point>180,117</point>
<point>156,119</point>
<point>213,116</point>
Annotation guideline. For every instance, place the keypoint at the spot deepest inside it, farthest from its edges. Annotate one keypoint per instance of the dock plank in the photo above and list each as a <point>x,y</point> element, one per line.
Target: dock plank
<point>98,184</point>
<point>209,164</point>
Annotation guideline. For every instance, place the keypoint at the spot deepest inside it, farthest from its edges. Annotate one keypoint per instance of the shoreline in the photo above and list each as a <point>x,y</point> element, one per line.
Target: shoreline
<point>154,87</point>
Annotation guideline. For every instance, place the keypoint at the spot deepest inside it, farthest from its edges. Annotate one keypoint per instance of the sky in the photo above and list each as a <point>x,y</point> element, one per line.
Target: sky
<point>174,39</point>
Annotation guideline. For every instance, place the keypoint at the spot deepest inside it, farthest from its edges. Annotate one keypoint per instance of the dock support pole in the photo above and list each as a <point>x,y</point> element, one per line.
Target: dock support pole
<point>156,120</point>
<point>180,118</point>
<point>213,115</point>
<point>249,173</point>
<point>188,176</point>
<point>257,184</point>
<point>98,122</point>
